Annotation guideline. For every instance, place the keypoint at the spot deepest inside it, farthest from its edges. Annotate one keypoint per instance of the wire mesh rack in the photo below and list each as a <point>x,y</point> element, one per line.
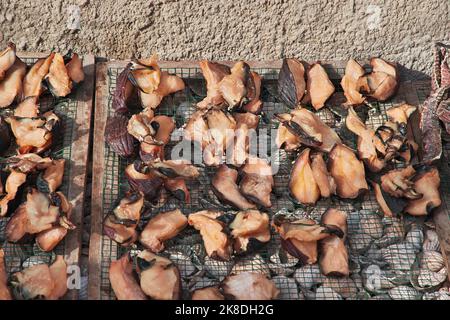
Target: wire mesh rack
<point>71,110</point>
<point>389,246</point>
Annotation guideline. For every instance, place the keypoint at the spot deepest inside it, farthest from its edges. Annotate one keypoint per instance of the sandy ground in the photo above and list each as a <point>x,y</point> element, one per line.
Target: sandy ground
<point>399,30</point>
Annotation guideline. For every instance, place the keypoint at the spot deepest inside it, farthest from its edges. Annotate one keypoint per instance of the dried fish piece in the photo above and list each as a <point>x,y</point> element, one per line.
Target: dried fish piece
<point>216,241</point>
<point>41,281</point>
<point>175,168</point>
<point>224,185</point>
<point>75,69</point>
<point>13,183</point>
<point>37,214</point>
<point>249,286</point>
<point>48,239</point>
<point>287,140</point>
<point>123,282</point>
<point>11,85</point>
<point>146,74</point>
<point>162,227</point>
<point>291,82</point>
<point>32,82</point>
<point>233,87</point>
<point>178,188</point>
<point>145,180</point>
<point>349,82</point>
<point>333,260</point>
<point>7,59</point>
<point>347,171</point>
<point>253,94</point>
<point>398,183</point>
<point>299,237</point>
<point>116,133</point>
<point>208,293</point>
<point>310,179</point>
<point>310,129</point>
<point>159,277</point>
<point>168,84</point>
<point>319,87</point>
<point>213,73</point>
<point>430,125</point>
<point>5,294</point>
<point>426,182</point>
<point>57,79</point>
<point>238,151</point>
<point>117,136</point>
<point>34,135</point>
<point>27,108</point>
<point>250,230</point>
<point>257,181</point>
<point>121,224</point>
<point>369,144</point>
<point>382,82</point>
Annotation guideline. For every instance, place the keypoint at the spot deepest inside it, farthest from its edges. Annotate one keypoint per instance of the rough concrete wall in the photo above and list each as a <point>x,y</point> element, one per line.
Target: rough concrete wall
<point>399,30</point>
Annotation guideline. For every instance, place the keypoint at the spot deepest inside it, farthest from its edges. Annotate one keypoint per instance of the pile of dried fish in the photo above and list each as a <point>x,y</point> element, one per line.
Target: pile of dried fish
<point>32,208</point>
<point>251,254</point>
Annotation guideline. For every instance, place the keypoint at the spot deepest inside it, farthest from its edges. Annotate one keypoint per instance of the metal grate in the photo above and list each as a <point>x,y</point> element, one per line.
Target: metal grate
<point>18,255</point>
<point>367,229</point>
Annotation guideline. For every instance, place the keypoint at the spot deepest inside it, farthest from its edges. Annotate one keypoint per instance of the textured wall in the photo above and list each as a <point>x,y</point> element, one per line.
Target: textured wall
<point>400,30</point>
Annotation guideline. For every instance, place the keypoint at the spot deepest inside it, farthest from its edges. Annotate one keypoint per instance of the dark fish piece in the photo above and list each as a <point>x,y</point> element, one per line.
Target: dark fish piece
<point>291,82</point>
<point>441,70</point>
<point>145,180</point>
<point>430,126</point>
<point>117,136</point>
<point>120,93</point>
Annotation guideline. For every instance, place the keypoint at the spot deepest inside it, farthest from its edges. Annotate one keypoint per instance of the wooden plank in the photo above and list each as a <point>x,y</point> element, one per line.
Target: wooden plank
<point>95,246</point>
<point>79,165</point>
